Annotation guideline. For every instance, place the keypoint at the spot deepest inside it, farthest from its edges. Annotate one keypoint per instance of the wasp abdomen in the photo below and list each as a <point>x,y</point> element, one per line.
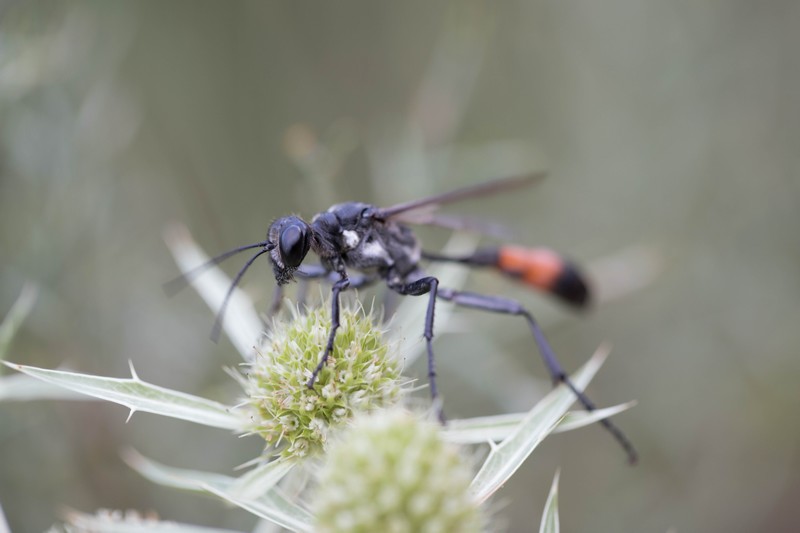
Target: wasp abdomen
<point>546,270</point>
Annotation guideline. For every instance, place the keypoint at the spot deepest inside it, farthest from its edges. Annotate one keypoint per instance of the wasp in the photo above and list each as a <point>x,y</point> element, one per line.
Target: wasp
<point>359,244</point>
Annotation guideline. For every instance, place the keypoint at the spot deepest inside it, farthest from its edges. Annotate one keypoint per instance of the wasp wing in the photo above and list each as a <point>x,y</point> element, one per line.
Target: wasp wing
<point>426,217</point>
<point>474,191</point>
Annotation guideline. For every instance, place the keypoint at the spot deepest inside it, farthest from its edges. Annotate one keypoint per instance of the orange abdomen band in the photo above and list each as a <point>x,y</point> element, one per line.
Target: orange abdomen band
<point>539,267</point>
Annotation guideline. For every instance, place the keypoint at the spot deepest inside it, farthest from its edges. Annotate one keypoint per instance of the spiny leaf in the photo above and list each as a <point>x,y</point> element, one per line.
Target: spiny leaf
<point>138,395</point>
<point>507,457</point>
<point>498,427</point>
<point>549,522</point>
<point>271,505</point>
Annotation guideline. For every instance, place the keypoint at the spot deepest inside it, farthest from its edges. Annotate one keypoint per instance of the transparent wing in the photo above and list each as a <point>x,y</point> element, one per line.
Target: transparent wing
<point>474,191</point>
<point>467,224</point>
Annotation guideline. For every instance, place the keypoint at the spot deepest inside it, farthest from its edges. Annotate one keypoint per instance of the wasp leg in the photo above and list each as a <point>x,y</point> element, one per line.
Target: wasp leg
<point>426,285</point>
<point>356,282</point>
<point>309,272</point>
<point>496,304</point>
<point>306,273</point>
<point>275,303</point>
<point>487,257</point>
<point>338,287</point>
<point>344,282</point>
<point>318,272</point>
<point>312,272</point>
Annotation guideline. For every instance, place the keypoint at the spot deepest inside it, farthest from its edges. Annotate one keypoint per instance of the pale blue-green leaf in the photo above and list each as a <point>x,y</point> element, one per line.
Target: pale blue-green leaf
<point>578,419</point>
<point>241,322</point>
<point>271,506</point>
<point>549,522</point>
<point>138,395</point>
<point>261,479</point>
<point>507,457</point>
<point>482,429</point>
<point>167,476</point>
<point>22,388</point>
<point>116,522</point>
<point>265,526</point>
<point>498,427</point>
<point>16,316</point>
<point>408,322</point>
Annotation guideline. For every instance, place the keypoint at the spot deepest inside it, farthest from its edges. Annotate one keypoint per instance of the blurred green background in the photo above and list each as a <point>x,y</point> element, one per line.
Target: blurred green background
<point>671,131</point>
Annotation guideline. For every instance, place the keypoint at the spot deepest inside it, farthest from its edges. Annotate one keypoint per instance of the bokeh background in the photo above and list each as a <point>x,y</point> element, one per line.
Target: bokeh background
<point>671,132</point>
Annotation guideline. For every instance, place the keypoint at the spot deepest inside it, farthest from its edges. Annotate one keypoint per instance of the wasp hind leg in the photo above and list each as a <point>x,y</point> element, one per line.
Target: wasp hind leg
<point>496,304</point>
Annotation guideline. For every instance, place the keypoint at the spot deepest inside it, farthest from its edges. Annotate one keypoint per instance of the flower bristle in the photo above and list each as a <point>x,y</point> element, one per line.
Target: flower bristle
<point>392,471</point>
<point>360,375</point>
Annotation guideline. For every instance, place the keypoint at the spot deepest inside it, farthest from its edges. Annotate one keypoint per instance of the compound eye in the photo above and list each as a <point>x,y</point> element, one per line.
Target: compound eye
<point>293,245</point>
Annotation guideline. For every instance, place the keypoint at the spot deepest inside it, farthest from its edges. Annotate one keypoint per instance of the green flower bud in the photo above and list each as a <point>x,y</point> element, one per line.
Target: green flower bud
<point>392,472</point>
<point>360,375</point>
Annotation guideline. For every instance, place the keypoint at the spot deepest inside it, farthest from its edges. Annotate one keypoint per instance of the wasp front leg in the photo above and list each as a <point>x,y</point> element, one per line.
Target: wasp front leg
<point>342,284</point>
<point>305,274</point>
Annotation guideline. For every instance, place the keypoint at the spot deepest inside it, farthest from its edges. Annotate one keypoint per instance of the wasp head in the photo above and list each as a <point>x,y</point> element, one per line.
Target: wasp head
<point>292,237</point>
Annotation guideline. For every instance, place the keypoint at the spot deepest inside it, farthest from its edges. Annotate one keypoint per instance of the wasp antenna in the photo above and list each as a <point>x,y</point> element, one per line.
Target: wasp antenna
<point>174,286</point>
<point>217,328</point>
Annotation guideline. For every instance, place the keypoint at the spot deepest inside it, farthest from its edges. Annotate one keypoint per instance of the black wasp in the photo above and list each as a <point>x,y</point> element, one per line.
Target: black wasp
<point>378,243</point>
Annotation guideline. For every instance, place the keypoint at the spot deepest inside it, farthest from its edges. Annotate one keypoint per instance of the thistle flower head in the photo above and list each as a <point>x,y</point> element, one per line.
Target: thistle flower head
<point>359,375</point>
<point>392,472</point>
